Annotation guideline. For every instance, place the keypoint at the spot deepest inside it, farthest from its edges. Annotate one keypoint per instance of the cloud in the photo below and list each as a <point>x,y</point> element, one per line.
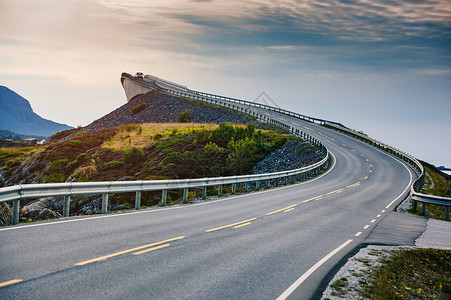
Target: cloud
<point>376,33</point>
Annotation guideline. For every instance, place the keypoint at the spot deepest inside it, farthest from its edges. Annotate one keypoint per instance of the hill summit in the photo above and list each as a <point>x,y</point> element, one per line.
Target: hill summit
<point>17,116</point>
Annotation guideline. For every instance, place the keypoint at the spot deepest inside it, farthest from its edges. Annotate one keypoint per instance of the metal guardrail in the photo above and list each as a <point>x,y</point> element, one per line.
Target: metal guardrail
<point>29,191</point>
<point>418,167</point>
<point>417,185</point>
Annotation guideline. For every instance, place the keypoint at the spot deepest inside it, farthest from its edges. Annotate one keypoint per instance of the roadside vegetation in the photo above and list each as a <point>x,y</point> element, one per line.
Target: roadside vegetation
<point>401,273</point>
<point>411,274</point>
<point>138,152</point>
<point>437,184</point>
<point>142,152</point>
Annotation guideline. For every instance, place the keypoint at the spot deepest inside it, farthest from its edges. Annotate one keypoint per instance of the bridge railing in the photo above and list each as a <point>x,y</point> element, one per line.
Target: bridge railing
<point>417,185</point>
<point>32,191</point>
<point>412,161</point>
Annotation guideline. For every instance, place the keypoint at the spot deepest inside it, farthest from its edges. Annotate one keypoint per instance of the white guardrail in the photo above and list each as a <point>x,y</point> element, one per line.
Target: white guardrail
<point>416,187</point>
<point>29,191</point>
<point>417,166</point>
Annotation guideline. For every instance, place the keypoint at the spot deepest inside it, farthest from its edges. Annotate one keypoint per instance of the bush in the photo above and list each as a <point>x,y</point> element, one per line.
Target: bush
<point>137,108</point>
<point>133,155</point>
<point>184,116</point>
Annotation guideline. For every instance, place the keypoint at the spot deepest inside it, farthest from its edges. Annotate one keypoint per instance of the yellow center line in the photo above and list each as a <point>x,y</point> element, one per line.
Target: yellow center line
<point>127,251</point>
<point>353,185</point>
<point>344,145</point>
<point>361,155</point>
<point>152,249</point>
<point>366,177</point>
<point>314,198</point>
<point>332,139</point>
<point>288,210</point>
<point>242,225</point>
<point>230,225</point>
<point>282,209</point>
<point>2,284</point>
<point>336,191</point>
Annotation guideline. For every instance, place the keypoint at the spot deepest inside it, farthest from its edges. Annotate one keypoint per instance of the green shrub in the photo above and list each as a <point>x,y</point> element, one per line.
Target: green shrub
<point>184,116</point>
<point>133,155</point>
<point>137,108</point>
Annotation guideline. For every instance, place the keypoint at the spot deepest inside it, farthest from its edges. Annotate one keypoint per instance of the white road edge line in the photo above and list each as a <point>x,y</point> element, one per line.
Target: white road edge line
<point>310,271</point>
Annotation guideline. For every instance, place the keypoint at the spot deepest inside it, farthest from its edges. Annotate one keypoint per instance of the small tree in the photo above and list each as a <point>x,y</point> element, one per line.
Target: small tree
<point>184,116</point>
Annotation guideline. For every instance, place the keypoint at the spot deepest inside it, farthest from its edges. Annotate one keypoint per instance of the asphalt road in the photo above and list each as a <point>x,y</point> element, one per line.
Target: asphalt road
<point>263,245</point>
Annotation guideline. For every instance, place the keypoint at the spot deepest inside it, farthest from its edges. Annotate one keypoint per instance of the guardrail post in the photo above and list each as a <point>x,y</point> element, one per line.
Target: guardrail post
<point>233,188</point>
<point>138,200</point>
<point>447,213</point>
<point>246,187</point>
<point>204,193</point>
<point>423,209</point>
<point>66,206</point>
<point>185,195</point>
<point>414,205</point>
<point>164,196</point>
<point>16,211</point>
<point>220,190</point>
<point>257,185</point>
<point>104,203</point>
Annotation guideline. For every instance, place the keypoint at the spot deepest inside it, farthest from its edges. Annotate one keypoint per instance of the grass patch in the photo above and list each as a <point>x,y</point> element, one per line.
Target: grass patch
<point>137,108</point>
<point>436,184</point>
<point>146,135</point>
<point>411,274</point>
<point>439,186</point>
<point>340,287</point>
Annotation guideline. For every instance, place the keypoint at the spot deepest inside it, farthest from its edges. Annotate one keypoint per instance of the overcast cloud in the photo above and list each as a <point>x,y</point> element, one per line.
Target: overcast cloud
<point>381,66</point>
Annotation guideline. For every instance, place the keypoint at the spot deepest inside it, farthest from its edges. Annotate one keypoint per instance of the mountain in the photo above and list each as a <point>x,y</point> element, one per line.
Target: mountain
<point>17,115</point>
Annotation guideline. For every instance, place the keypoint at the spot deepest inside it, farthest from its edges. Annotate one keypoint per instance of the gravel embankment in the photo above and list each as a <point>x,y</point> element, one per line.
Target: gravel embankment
<point>294,155</point>
<point>163,108</point>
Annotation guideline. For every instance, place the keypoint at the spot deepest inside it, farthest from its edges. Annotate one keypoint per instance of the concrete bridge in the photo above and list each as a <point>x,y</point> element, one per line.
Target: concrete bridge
<point>134,86</point>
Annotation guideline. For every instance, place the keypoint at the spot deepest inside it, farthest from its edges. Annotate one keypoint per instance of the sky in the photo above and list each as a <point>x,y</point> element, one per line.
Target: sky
<point>382,67</point>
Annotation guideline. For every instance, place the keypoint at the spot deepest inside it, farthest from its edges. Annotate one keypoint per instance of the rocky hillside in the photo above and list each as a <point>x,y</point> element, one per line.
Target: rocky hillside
<point>157,107</point>
<point>17,116</point>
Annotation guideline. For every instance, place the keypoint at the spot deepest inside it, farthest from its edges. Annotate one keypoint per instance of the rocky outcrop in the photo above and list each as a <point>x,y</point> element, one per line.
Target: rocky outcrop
<point>164,108</point>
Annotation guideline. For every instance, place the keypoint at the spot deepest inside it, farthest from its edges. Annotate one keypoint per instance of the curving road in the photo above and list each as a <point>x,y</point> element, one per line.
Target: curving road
<point>278,243</point>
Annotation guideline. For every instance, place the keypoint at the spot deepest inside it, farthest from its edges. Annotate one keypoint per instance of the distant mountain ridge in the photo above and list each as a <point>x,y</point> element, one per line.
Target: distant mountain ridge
<point>16,115</point>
